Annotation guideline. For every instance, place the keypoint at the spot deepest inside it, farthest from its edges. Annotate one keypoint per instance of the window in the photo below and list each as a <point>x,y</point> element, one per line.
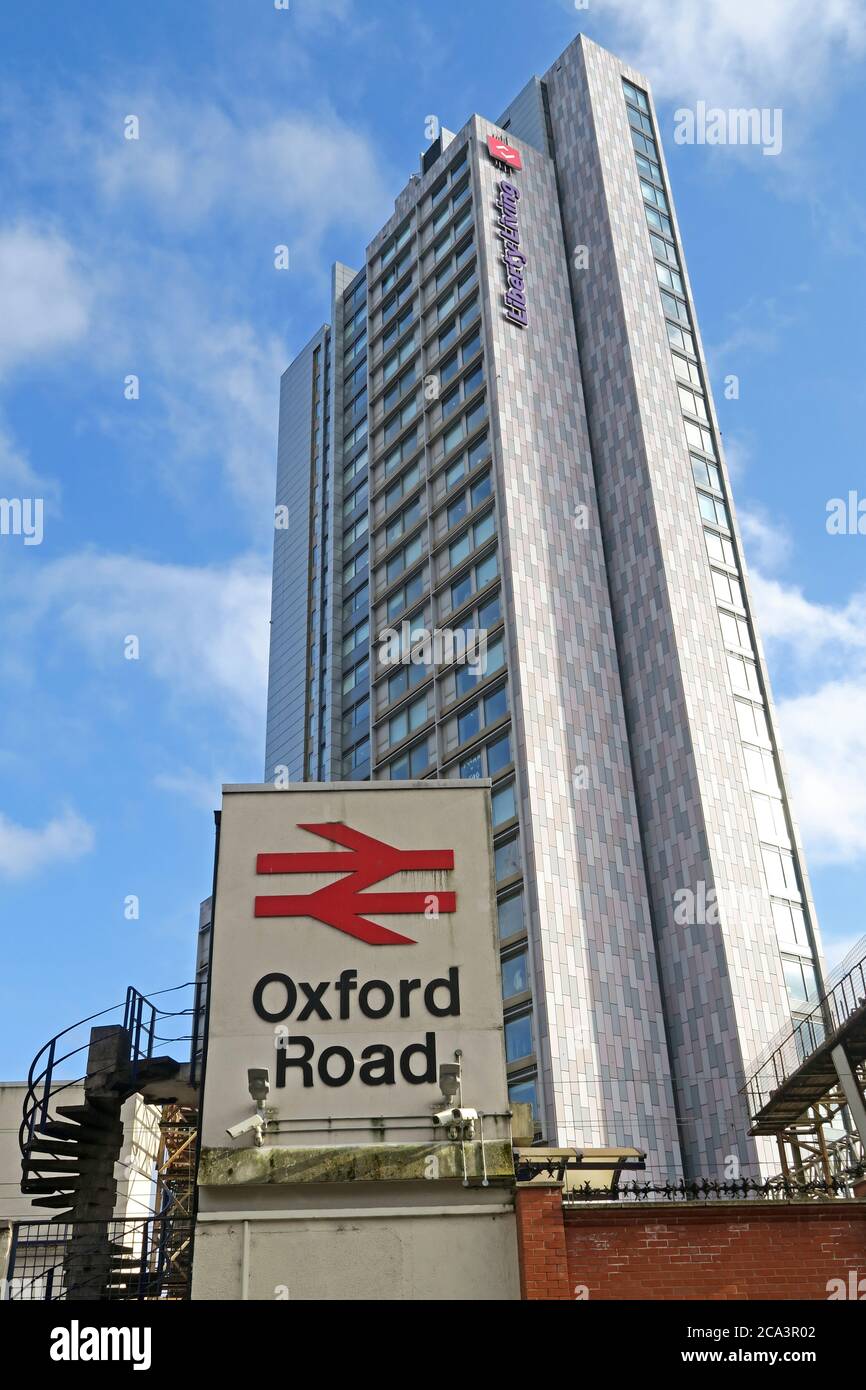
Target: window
<point>358,498</point>
<point>693,404</point>
<point>397,328</point>
<point>405,595</point>
<point>674,308</point>
<point>396,360</point>
<point>635,96</point>
<point>638,121</point>
<point>653,195</point>
<point>510,912</point>
<point>699,438</point>
<point>356,379</point>
<point>801,982</point>
<point>770,818</point>
<point>469,723</point>
<point>407,556</point>
<point>761,770</point>
<point>727,590</point>
<point>474,536</point>
<point>404,679</point>
<point>525,1092</point>
<point>493,660</point>
<point>515,974</point>
<point>404,522</point>
<point>357,674</point>
<point>643,144</point>
<point>669,279</point>
<point>401,452</point>
<point>354,324</point>
<point>355,436</point>
<point>779,868</point>
<point>487,761</point>
<point>474,579</point>
<point>753,726</point>
<point>358,756</point>
<point>681,338</point>
<point>503,803</point>
<point>407,720</point>
<point>390,307</point>
<point>706,474</point>
<point>498,754</point>
<point>518,1037</point>
<point>735,631</point>
<point>356,601</point>
<point>686,370</point>
<point>720,548</point>
<point>663,251</point>
<point>713,510</point>
<point>404,484</point>
<point>402,418</point>
<point>744,676</point>
<point>356,718</point>
<point>790,923</point>
<point>396,243</point>
<point>357,465</point>
<point>649,169</point>
<point>412,764</point>
<point>356,530</point>
<point>657,221</point>
<point>354,638</point>
<point>356,565</point>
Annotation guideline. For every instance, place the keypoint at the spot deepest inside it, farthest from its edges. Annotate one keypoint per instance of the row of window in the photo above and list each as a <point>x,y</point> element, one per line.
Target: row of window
<point>768,805</point>
<point>462,449</point>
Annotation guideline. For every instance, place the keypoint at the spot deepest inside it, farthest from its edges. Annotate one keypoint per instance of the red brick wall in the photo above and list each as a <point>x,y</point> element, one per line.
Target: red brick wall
<point>724,1251</point>
<point>541,1245</point>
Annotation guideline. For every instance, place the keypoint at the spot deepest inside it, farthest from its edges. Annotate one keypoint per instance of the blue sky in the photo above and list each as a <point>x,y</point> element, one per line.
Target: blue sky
<point>155,257</point>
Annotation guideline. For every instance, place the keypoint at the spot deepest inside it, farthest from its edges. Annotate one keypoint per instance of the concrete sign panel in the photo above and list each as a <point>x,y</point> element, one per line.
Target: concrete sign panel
<point>354,952</point>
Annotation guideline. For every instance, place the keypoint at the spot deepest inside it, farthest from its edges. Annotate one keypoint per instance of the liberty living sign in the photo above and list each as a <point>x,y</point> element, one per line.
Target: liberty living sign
<point>354,950</point>
<point>508,231</point>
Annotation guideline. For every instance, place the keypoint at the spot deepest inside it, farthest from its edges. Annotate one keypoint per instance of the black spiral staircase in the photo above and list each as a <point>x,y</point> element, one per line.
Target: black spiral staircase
<point>69,1151</point>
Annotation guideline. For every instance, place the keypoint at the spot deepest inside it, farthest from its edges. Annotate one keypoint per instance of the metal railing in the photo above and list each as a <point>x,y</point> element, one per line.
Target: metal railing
<point>151,1259</point>
<point>48,1076</point>
<point>705,1190</point>
<point>839,1003</point>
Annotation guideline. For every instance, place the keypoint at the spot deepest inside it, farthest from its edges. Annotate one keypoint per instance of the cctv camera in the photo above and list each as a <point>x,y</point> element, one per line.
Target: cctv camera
<point>445,1117</point>
<point>460,1123</point>
<point>259,1083</point>
<point>253,1122</point>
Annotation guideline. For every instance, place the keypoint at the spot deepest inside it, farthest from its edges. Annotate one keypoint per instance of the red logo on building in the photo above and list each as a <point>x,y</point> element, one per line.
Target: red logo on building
<point>342,904</point>
<point>505,153</point>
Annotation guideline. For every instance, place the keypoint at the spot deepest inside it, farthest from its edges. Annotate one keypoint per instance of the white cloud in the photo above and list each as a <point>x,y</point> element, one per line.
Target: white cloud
<point>203,632</point>
<point>809,628</point>
<point>45,295</point>
<point>824,736</point>
<point>823,730</point>
<point>23,851</point>
<point>18,478</point>
<point>215,379</point>
<point>298,174</point>
<point>739,52</point>
<point>203,792</point>
<point>767,543</point>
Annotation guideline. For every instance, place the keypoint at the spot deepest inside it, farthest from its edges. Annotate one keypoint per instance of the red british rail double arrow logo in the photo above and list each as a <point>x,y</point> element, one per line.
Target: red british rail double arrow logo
<point>342,904</point>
